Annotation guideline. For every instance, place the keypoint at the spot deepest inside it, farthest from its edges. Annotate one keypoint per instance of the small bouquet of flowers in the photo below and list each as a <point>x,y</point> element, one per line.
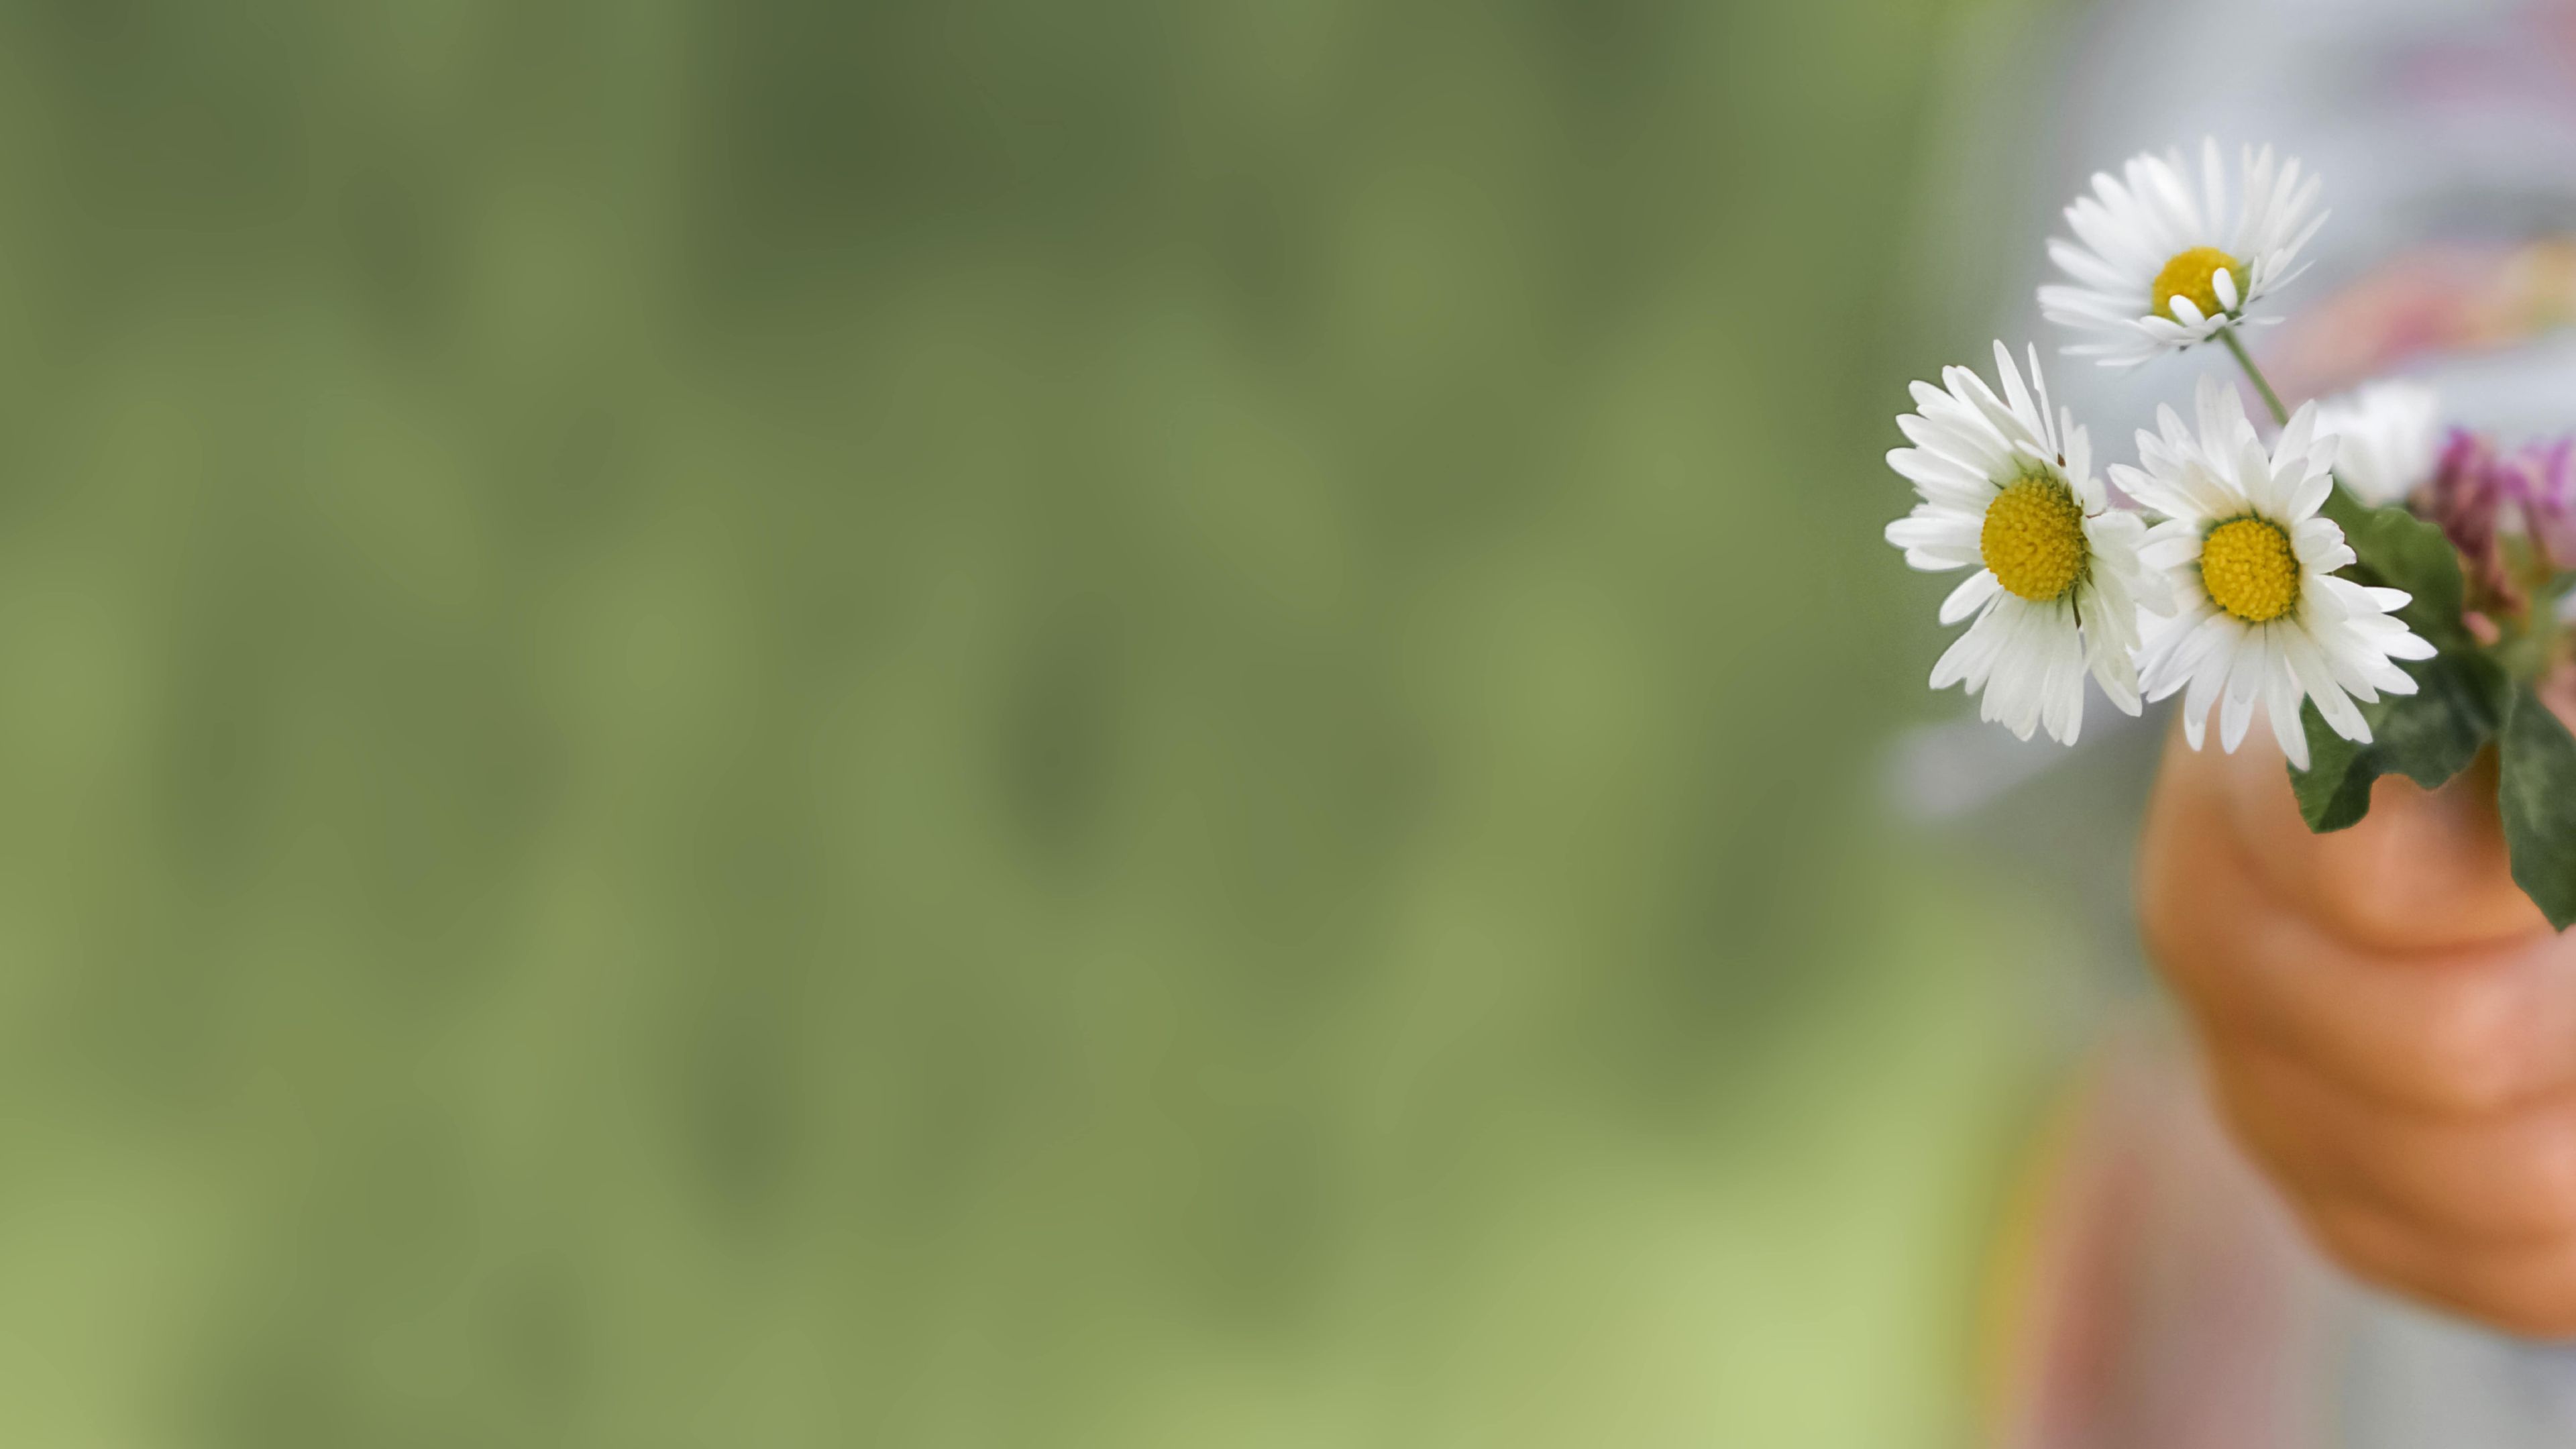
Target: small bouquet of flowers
<point>2386,595</point>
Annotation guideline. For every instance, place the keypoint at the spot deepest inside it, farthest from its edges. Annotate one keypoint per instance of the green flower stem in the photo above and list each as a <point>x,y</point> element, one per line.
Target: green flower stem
<point>2546,638</point>
<point>2262,384</point>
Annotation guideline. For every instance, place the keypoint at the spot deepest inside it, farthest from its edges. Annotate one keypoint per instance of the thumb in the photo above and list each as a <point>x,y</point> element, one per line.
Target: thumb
<point>2425,871</point>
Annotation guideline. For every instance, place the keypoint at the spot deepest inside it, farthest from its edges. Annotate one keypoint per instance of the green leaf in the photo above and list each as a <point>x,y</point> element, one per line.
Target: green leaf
<point>2401,551</point>
<point>2460,701</point>
<point>2537,795</point>
<point>2428,736</point>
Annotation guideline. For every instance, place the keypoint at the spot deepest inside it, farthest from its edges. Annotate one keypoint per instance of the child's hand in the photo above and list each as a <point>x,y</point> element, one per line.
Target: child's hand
<point>2390,1026</point>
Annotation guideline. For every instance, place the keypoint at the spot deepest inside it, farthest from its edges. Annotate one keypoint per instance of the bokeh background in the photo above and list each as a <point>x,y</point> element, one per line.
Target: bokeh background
<point>996,723</point>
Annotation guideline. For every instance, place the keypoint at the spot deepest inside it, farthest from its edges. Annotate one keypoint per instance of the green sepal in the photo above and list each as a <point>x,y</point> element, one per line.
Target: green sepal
<point>2396,549</point>
<point>2536,793</point>
<point>2428,736</point>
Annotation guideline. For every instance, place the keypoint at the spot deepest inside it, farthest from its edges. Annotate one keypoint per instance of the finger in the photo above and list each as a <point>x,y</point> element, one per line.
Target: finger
<point>2485,1029</point>
<point>2425,870</point>
<point>2558,691</point>
<point>2527,1290</point>
<point>2505,1179</point>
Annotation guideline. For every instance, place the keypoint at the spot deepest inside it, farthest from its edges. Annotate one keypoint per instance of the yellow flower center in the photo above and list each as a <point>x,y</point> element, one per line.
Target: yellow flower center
<point>2250,571</point>
<point>2034,538</point>
<point>2190,274</point>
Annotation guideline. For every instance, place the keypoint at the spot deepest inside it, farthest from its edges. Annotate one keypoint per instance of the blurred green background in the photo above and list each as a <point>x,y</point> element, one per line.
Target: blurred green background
<point>988,723</point>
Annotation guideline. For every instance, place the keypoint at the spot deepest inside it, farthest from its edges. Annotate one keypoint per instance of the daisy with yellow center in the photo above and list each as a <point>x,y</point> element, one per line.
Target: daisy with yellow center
<point>2259,618</point>
<point>2158,264</point>
<point>2008,489</point>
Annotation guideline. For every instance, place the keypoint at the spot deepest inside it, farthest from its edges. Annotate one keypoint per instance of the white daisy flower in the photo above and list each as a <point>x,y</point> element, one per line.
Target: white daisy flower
<point>2159,265</point>
<point>2259,617</point>
<point>2389,439</point>
<point>2008,489</point>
